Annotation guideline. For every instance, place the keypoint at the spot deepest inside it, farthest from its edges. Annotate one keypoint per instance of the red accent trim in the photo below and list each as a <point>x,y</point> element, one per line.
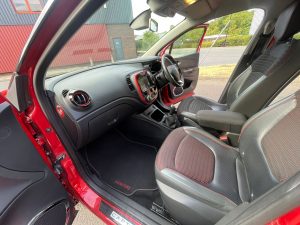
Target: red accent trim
<point>169,101</point>
<point>135,77</point>
<point>60,111</point>
<point>272,42</point>
<point>290,218</point>
<point>138,88</point>
<point>2,96</point>
<point>201,41</point>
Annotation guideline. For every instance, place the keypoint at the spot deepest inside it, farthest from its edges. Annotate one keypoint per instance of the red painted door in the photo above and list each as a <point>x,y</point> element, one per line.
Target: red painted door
<point>186,51</point>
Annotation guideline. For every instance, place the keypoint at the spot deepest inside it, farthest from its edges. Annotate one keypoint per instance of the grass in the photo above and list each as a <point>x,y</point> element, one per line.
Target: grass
<point>219,71</point>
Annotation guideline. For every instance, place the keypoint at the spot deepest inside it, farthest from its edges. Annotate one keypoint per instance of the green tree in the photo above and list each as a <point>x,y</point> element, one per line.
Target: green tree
<point>189,39</point>
<point>149,39</point>
<point>239,24</point>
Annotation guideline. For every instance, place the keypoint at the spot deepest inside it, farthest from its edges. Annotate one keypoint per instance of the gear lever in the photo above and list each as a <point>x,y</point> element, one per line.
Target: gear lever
<point>172,110</point>
<point>171,119</point>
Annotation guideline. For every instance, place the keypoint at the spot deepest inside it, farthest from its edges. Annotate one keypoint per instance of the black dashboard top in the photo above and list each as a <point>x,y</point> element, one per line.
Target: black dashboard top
<point>108,89</point>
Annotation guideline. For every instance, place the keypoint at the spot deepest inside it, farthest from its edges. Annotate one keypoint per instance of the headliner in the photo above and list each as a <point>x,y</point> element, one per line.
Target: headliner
<point>205,10</point>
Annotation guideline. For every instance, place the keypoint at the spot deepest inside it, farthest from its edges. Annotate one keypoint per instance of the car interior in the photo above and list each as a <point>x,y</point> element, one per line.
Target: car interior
<point>201,160</point>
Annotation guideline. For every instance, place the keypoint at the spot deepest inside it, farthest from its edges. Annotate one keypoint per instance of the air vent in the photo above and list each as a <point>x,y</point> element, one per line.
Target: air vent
<point>80,98</point>
<point>130,84</point>
<point>64,93</point>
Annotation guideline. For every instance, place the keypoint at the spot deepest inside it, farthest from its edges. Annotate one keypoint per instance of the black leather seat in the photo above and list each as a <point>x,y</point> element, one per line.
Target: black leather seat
<point>201,179</point>
<point>255,86</point>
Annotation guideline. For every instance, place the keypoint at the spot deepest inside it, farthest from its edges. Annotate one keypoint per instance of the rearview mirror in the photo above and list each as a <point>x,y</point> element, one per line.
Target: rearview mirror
<point>144,21</point>
<point>153,25</point>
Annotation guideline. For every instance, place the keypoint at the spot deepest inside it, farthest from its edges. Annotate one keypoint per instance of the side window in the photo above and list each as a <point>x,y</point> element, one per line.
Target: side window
<point>291,88</point>
<point>27,6</point>
<point>187,43</point>
<point>222,47</point>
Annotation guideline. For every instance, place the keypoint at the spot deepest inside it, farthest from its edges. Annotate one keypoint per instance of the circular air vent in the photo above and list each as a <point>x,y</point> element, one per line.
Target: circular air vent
<point>80,98</point>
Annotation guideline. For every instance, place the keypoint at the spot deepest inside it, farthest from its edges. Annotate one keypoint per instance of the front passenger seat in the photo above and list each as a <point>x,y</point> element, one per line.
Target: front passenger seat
<point>201,179</point>
<point>253,88</point>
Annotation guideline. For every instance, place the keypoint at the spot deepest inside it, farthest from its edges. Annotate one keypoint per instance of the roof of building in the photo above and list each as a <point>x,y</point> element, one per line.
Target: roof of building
<point>113,12</point>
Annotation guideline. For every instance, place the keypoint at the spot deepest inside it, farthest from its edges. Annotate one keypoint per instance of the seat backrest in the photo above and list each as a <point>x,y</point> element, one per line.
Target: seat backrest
<point>270,145</point>
<point>257,71</point>
<point>254,87</point>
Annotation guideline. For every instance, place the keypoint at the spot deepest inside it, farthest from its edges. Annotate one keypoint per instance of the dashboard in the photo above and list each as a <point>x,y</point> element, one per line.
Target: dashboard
<point>94,100</point>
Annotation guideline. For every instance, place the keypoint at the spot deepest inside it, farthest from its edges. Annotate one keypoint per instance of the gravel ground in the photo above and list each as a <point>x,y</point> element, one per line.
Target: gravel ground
<point>85,217</point>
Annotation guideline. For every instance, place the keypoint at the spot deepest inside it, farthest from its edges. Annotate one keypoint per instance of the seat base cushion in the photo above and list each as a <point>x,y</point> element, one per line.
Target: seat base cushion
<point>200,175</point>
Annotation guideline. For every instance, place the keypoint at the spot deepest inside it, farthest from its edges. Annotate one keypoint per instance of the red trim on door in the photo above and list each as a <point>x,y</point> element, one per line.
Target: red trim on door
<point>166,99</point>
<point>201,41</point>
<point>290,218</point>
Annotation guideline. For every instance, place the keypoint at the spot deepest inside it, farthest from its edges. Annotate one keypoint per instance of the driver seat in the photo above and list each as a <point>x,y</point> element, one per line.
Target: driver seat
<point>252,89</point>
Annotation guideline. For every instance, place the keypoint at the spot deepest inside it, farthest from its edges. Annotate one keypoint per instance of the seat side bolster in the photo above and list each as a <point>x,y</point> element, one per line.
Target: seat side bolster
<point>187,186</point>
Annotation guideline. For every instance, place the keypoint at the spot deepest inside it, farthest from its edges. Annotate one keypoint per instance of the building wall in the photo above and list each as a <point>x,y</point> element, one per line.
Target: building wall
<point>92,43</point>
<point>113,12</point>
<point>12,41</point>
<point>126,34</point>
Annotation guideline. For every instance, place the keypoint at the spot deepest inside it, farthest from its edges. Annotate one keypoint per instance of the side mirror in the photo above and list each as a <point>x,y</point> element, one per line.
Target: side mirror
<point>144,21</point>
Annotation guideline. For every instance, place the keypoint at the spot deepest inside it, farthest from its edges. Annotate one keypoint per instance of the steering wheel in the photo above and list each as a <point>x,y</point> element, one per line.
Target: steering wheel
<point>172,71</point>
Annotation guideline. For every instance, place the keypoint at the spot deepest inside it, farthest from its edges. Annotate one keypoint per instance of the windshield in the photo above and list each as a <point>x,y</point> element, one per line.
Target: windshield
<point>107,37</point>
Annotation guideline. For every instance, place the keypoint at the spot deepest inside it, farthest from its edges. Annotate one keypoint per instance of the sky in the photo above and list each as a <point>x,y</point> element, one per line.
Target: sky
<point>164,23</point>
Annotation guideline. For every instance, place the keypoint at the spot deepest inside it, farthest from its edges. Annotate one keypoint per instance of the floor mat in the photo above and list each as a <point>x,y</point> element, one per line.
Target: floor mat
<point>125,165</point>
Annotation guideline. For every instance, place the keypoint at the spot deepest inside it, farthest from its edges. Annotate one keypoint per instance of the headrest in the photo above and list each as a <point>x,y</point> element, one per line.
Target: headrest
<point>288,23</point>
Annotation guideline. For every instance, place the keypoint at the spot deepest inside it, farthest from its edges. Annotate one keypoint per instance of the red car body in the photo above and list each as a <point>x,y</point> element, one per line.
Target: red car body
<point>39,130</point>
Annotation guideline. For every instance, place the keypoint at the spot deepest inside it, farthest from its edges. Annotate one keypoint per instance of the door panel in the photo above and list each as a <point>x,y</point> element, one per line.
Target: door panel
<point>29,191</point>
<point>190,70</point>
<point>186,51</point>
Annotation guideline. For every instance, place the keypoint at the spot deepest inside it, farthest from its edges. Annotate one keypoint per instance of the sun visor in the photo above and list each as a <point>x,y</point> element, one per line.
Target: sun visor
<point>193,9</point>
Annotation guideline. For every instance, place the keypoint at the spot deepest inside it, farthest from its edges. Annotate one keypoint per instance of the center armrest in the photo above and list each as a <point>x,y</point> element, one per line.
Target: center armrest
<point>219,120</point>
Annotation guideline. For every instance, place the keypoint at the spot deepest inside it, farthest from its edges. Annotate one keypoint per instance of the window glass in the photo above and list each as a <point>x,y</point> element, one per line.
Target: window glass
<point>296,36</point>
<point>27,6</point>
<point>291,88</point>
<point>223,45</point>
<point>187,43</point>
<point>20,5</point>
<point>107,37</point>
<point>35,5</point>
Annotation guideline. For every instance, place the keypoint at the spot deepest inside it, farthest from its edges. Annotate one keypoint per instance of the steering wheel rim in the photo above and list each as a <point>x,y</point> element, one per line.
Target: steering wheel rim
<point>172,72</point>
